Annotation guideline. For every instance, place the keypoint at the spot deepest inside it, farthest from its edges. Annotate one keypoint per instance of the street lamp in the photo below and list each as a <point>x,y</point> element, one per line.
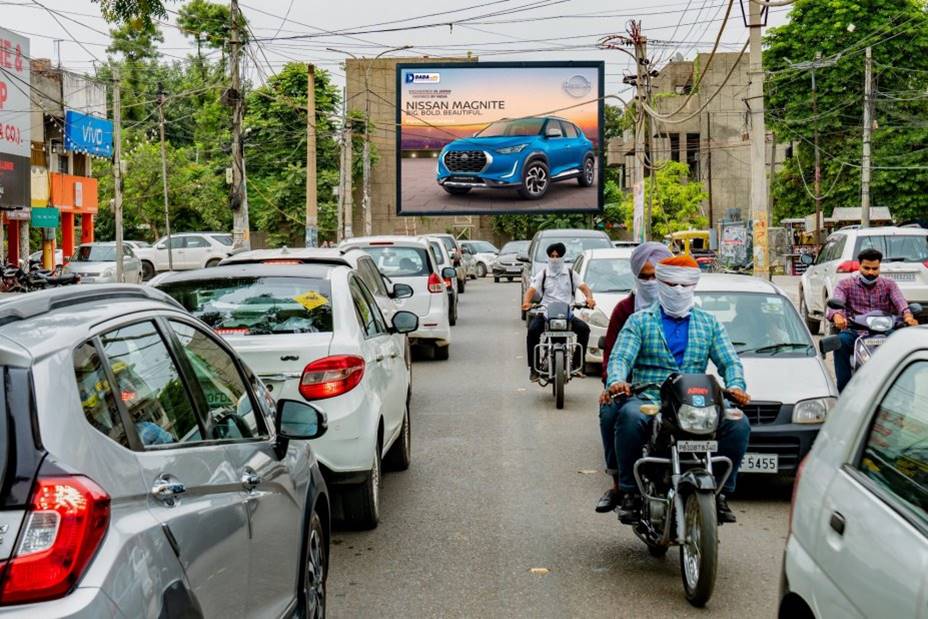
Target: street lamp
<point>366,179</point>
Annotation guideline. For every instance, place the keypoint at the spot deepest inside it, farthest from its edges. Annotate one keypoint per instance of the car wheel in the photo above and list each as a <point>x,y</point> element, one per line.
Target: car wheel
<point>588,173</point>
<point>812,323</point>
<point>535,181</point>
<point>314,570</point>
<point>510,279</point>
<point>453,315</point>
<point>362,502</point>
<point>461,284</point>
<point>496,279</point>
<point>148,270</point>
<point>212,263</point>
<point>400,455</point>
<point>442,353</point>
<point>456,191</point>
<point>481,271</point>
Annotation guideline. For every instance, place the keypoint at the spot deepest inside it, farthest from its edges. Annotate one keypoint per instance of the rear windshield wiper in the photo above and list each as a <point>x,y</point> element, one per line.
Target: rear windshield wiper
<point>772,348</point>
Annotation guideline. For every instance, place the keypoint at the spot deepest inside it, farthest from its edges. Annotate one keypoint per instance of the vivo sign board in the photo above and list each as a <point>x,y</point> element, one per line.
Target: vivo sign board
<point>88,134</point>
<point>15,121</point>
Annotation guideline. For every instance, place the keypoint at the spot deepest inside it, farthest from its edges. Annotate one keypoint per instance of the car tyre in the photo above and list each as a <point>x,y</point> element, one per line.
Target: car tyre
<point>456,191</point>
<point>510,279</point>
<point>442,353</point>
<point>535,180</point>
<point>400,455</point>
<point>496,279</point>
<point>481,270</point>
<point>812,323</point>
<point>588,173</point>
<point>461,284</point>
<point>314,570</point>
<point>362,502</point>
<point>148,270</point>
<point>453,315</point>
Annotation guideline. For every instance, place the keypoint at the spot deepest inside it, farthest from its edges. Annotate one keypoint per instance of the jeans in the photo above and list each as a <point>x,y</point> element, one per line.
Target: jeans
<point>843,358</point>
<point>607,416</point>
<point>537,327</point>
<point>633,428</point>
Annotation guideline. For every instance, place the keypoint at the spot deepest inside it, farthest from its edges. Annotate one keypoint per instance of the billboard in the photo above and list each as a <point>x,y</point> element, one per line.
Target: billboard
<point>492,138</point>
<point>15,121</point>
<point>87,134</point>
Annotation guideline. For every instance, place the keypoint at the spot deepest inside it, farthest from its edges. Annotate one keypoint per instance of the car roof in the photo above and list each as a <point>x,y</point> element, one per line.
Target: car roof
<point>398,240</point>
<point>348,256</point>
<point>314,271</point>
<point>726,282</point>
<point>882,231</point>
<point>609,252</point>
<point>568,232</point>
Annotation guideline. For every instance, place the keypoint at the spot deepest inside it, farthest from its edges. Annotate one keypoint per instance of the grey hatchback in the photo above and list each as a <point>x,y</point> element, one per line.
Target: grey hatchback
<point>145,471</point>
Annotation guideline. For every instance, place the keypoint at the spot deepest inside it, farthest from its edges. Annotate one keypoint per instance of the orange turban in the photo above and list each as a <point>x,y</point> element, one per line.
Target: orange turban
<point>681,261</point>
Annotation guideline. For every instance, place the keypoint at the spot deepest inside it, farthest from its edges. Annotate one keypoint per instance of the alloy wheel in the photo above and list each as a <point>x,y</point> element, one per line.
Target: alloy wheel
<point>588,171</point>
<point>536,180</point>
<point>315,575</point>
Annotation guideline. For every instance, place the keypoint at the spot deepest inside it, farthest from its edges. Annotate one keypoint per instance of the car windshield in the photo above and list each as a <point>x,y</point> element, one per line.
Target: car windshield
<point>575,246</point>
<point>225,239</point>
<point>759,324</point>
<point>482,247</point>
<point>609,275</point>
<point>139,243</point>
<point>400,261</point>
<point>896,248</point>
<point>258,305</point>
<point>517,127</point>
<point>95,253</point>
<point>515,247</point>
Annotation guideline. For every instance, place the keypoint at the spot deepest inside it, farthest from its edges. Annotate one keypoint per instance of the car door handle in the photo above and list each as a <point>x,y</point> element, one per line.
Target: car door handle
<point>837,523</point>
<point>166,489</point>
<point>378,358</point>
<point>250,480</point>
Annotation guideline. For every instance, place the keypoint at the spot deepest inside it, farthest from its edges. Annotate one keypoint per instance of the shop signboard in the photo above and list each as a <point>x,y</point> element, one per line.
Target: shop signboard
<point>46,217</point>
<point>15,121</point>
<point>84,133</point>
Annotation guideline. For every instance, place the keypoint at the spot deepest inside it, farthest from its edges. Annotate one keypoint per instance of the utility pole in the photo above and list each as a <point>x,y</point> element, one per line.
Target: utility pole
<point>759,207</point>
<point>164,178</point>
<point>868,127</point>
<point>312,212</point>
<point>117,173</point>
<point>349,199</point>
<point>641,227</point>
<point>239,201</point>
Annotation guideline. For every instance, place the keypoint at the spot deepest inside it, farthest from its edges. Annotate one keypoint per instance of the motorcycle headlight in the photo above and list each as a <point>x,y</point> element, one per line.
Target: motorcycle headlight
<point>880,323</point>
<point>813,411</point>
<point>557,324</point>
<point>698,420</point>
<point>508,150</point>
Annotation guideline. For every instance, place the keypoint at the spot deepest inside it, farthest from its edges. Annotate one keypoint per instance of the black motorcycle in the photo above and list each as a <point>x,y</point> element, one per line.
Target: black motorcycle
<point>553,357</point>
<point>676,476</point>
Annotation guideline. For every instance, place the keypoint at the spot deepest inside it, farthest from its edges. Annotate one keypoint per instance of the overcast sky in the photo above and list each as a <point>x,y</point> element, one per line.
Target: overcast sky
<point>490,29</point>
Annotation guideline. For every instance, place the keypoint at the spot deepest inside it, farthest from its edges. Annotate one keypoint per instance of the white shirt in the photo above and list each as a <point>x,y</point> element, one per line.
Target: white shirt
<point>556,286</point>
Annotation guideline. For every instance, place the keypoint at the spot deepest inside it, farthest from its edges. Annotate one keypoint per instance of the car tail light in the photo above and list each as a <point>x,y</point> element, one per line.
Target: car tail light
<point>62,530</point>
<point>231,330</point>
<point>925,263</point>
<point>380,243</point>
<point>792,502</point>
<point>849,266</point>
<point>282,261</point>
<point>331,376</point>
<point>435,283</point>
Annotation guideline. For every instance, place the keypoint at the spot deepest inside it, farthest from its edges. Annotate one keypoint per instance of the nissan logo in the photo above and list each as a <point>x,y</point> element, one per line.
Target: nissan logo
<point>465,157</point>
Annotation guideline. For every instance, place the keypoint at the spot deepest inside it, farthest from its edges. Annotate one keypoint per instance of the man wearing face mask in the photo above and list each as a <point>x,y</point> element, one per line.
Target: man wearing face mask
<point>556,282</point>
<point>864,293</point>
<point>671,337</point>
<point>643,259</point>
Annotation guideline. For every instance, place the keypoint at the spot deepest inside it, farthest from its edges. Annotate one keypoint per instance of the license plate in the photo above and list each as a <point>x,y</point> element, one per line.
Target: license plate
<point>760,463</point>
<point>902,277</point>
<point>873,342</point>
<point>514,270</point>
<point>697,446</point>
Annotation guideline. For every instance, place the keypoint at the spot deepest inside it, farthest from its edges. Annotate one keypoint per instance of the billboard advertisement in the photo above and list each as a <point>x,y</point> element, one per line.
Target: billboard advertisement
<point>492,138</point>
<point>15,121</point>
<point>84,133</point>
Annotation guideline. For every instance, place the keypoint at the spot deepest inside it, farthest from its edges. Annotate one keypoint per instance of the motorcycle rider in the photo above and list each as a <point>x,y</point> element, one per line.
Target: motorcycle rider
<point>670,337</point>
<point>867,292</point>
<point>643,259</point>
<point>556,282</point>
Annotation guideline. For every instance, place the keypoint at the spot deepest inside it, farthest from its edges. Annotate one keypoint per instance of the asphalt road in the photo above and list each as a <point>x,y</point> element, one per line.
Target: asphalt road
<point>501,482</point>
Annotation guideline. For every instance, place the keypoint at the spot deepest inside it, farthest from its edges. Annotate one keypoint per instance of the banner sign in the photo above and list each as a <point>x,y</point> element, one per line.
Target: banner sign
<point>45,217</point>
<point>15,121</point>
<point>88,134</point>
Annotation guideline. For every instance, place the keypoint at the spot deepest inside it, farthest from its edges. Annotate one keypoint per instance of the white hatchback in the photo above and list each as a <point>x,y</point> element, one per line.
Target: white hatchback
<point>858,540</point>
<point>315,332</point>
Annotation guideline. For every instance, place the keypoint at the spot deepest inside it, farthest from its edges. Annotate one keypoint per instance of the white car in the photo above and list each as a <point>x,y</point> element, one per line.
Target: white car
<point>96,264</point>
<point>484,254</point>
<point>188,251</point>
<point>314,332</point>
<point>443,260</point>
<point>408,260</point>
<point>858,538</point>
<point>905,261</point>
<point>608,273</point>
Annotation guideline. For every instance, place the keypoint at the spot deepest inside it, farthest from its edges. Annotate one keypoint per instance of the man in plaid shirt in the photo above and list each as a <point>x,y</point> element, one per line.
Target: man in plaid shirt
<point>866,292</point>
<point>672,336</point>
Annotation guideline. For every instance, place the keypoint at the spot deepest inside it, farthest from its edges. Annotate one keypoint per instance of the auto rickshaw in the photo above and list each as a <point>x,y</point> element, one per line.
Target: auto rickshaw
<point>693,243</point>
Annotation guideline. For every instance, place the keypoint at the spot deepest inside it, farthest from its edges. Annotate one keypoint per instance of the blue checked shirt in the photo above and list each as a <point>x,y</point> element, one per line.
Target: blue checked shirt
<point>642,352</point>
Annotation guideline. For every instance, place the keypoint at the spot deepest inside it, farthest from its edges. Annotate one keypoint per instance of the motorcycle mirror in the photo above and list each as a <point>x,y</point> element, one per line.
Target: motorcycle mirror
<point>828,344</point>
<point>835,304</point>
<point>915,308</point>
<point>806,259</point>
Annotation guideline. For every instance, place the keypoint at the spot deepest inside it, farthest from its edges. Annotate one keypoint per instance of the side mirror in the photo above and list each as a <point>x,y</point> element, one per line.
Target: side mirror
<point>829,343</point>
<point>806,259</point>
<point>405,322</point>
<point>915,308</point>
<point>299,420</point>
<point>835,304</point>
<point>523,258</point>
<point>448,273</point>
<point>161,246</point>
<point>601,344</point>
<point>401,291</point>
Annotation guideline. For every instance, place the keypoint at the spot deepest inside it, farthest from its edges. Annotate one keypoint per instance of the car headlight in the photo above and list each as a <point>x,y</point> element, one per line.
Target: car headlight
<point>698,419</point>
<point>813,411</point>
<point>557,324</point>
<point>508,150</point>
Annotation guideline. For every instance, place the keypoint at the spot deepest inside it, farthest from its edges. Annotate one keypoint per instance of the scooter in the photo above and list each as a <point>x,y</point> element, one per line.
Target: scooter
<point>553,357</point>
<point>873,328</point>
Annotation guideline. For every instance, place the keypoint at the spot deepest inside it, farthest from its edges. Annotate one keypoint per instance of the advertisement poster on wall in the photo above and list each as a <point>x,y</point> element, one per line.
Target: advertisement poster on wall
<point>491,138</point>
<point>15,122</point>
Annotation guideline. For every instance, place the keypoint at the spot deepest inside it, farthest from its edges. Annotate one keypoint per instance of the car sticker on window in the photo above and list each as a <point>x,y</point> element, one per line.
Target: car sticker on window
<point>311,300</point>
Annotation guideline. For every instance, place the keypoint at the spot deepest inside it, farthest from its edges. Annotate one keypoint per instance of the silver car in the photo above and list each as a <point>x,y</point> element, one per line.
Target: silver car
<point>146,471</point>
<point>96,264</point>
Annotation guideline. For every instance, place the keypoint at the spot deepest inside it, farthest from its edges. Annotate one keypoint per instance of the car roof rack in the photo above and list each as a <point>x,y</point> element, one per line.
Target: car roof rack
<point>31,305</point>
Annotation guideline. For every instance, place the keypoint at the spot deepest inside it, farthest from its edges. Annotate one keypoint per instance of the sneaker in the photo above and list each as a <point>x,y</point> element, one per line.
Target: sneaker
<point>608,501</point>
<point>630,508</point>
<point>533,376</point>
<point>725,515</point>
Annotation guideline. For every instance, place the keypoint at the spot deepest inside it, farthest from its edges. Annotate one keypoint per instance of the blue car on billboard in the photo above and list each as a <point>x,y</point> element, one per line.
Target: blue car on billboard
<point>527,154</point>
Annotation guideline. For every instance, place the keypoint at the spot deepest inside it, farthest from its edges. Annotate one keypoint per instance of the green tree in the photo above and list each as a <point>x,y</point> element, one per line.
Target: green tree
<point>207,23</point>
<point>138,12</point>
<point>677,202</point>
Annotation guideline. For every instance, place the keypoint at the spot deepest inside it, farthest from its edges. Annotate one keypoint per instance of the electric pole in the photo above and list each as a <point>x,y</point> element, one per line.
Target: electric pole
<point>641,227</point>
<point>868,127</point>
<point>239,199</point>
<point>312,213</point>
<point>349,199</point>
<point>117,173</point>
<point>164,178</point>
<point>759,207</point>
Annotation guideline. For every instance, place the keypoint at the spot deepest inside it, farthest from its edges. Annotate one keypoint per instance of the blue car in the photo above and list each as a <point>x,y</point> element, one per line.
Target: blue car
<point>527,154</point>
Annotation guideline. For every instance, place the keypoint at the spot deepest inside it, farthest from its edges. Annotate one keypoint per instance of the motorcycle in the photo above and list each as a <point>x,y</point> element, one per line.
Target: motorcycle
<point>553,357</point>
<point>18,279</point>
<point>873,328</point>
<point>676,476</point>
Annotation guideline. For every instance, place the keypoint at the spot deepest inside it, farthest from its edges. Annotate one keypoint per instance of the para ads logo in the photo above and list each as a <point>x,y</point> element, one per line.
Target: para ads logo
<point>423,78</point>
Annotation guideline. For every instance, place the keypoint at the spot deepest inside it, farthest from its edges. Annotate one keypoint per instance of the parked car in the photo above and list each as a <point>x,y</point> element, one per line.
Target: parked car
<point>409,260</point>
<point>188,251</point>
<point>526,154</point>
<point>905,261</point>
<point>507,264</point>
<point>453,247</point>
<point>440,254</point>
<point>484,254</point>
<point>36,257</point>
<point>858,542</point>
<point>314,333</point>
<point>631,244</point>
<point>608,273</point>
<point>576,242</point>
<point>96,264</point>
<point>153,475</point>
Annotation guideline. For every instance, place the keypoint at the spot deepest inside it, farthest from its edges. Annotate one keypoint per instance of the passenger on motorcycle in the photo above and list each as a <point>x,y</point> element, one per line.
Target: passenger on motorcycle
<point>673,336</point>
<point>556,282</point>
<point>643,259</point>
<point>864,293</point>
